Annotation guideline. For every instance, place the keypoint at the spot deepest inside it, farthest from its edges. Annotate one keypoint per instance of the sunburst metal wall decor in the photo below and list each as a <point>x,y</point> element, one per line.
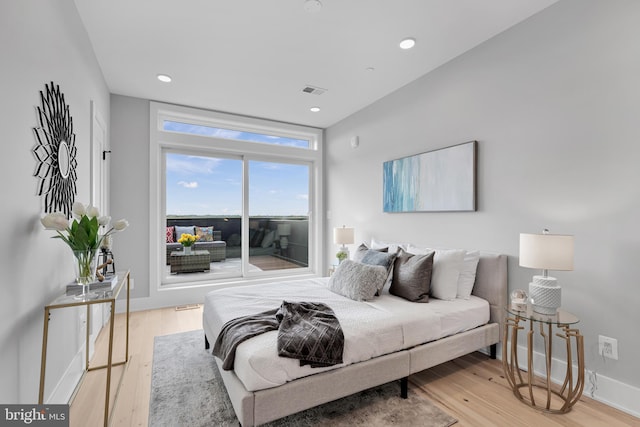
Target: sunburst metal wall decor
<point>55,152</point>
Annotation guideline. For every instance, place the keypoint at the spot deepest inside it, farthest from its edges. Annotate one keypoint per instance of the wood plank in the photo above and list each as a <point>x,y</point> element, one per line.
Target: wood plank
<point>471,388</point>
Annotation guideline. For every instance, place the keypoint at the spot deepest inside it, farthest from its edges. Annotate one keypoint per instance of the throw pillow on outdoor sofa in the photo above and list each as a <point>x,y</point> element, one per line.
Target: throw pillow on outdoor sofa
<point>205,234</point>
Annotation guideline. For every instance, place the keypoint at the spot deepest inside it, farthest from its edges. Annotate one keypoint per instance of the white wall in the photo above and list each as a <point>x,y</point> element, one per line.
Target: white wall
<point>555,105</point>
<point>42,41</point>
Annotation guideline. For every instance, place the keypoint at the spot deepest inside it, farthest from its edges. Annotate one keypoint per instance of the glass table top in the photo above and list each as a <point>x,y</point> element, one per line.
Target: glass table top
<point>561,317</point>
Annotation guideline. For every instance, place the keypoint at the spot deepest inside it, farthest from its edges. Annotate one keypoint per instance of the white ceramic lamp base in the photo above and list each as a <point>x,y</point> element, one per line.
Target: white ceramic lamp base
<point>545,295</point>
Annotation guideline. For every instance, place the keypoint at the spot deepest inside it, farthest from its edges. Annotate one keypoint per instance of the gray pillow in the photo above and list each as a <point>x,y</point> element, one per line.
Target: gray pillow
<point>412,276</point>
<point>357,281</point>
<point>376,257</point>
<point>183,230</point>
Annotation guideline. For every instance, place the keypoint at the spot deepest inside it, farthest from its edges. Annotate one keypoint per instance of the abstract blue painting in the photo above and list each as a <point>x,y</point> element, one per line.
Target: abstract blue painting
<point>442,180</point>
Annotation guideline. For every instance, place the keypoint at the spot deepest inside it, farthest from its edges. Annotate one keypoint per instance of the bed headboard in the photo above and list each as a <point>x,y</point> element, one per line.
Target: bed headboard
<point>492,284</point>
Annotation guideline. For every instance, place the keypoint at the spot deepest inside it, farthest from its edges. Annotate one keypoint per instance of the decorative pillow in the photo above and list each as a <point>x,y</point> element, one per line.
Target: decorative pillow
<point>256,240</point>
<point>268,238</point>
<point>376,257</point>
<point>205,233</point>
<point>391,247</point>
<point>447,264</point>
<point>357,281</point>
<point>361,251</point>
<point>467,277</point>
<point>183,230</point>
<point>412,276</point>
<point>170,238</point>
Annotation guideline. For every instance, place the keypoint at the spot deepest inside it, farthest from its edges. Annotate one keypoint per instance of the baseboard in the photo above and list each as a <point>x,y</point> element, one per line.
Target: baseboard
<point>607,390</point>
<point>66,386</point>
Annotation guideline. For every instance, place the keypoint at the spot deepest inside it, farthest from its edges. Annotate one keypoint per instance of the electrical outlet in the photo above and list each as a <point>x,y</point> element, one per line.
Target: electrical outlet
<point>608,347</point>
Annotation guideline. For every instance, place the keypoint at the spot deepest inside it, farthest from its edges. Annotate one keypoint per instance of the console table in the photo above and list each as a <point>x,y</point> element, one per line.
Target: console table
<point>102,297</point>
<point>562,398</point>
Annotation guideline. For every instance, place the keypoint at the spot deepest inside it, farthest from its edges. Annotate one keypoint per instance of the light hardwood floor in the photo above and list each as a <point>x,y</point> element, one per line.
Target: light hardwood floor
<point>471,388</point>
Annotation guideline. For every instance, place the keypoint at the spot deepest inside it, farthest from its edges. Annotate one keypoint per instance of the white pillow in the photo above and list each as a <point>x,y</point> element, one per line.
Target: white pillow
<point>467,277</point>
<point>393,247</point>
<point>447,264</point>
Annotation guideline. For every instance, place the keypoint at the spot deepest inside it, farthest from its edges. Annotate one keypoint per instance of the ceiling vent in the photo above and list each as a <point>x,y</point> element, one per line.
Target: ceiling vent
<point>313,90</point>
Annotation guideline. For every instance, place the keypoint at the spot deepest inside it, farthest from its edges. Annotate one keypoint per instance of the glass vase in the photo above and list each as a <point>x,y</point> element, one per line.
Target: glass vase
<point>85,263</point>
<point>187,250</point>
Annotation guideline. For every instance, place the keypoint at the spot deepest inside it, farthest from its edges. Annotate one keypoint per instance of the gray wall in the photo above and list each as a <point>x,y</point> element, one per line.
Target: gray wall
<point>41,42</point>
<point>130,185</point>
<point>555,105</point>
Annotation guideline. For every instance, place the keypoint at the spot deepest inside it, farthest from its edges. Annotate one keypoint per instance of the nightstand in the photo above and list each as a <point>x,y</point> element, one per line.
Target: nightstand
<point>540,393</point>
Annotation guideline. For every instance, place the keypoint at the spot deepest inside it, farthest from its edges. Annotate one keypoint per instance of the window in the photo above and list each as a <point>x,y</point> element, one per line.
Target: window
<point>194,129</point>
<point>250,188</point>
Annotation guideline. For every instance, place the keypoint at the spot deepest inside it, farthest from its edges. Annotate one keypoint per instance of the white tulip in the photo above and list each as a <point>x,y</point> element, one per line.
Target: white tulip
<point>104,220</point>
<point>78,209</point>
<point>121,225</point>
<point>93,212</point>
<point>55,221</point>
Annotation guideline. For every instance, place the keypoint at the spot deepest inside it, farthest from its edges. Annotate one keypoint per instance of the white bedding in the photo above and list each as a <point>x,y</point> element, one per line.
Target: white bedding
<point>374,328</point>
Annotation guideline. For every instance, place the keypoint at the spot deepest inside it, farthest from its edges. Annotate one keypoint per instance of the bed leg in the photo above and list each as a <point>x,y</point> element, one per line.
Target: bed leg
<point>404,387</point>
<point>493,349</point>
<point>206,343</point>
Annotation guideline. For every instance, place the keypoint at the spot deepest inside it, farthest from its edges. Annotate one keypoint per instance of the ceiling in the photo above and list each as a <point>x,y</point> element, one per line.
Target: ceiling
<point>254,57</point>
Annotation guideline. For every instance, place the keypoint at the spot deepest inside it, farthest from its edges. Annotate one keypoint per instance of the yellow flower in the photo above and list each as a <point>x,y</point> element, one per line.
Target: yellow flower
<point>188,239</point>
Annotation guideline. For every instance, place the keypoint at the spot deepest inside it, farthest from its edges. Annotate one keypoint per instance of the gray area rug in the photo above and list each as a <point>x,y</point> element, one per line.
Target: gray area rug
<point>187,390</point>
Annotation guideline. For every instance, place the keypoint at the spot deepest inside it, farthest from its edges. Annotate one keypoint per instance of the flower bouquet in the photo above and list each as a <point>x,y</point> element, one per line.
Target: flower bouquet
<point>187,240</point>
<point>83,237</point>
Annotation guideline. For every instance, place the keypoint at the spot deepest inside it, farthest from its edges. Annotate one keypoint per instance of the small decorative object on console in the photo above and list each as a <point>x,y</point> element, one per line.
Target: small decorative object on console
<point>82,237</point>
<point>519,300</point>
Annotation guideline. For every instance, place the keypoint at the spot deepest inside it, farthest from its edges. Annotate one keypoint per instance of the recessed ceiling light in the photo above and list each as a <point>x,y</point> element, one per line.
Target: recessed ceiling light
<point>407,43</point>
<point>164,78</point>
<point>314,109</point>
<point>312,5</point>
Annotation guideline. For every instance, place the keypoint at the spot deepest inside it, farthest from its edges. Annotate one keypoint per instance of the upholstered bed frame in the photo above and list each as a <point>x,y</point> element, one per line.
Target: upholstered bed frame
<point>259,407</point>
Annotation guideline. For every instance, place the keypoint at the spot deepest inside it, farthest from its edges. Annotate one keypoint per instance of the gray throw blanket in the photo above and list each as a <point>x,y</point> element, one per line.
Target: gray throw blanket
<point>307,331</point>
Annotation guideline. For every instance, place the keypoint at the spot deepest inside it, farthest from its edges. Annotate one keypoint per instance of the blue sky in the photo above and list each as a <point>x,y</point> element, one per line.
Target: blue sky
<point>232,134</point>
<point>198,185</point>
<point>213,186</point>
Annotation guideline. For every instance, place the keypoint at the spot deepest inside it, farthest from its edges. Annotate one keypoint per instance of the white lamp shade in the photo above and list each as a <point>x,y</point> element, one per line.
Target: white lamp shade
<point>343,235</point>
<point>546,251</point>
<point>284,229</point>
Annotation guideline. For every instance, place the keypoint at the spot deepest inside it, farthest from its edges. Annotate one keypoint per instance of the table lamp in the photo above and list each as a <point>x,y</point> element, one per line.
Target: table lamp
<point>284,230</point>
<point>546,252</point>
<point>343,236</point>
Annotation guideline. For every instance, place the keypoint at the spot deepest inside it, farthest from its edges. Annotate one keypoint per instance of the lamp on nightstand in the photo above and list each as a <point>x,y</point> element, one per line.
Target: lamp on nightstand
<point>343,236</point>
<point>546,252</point>
<point>284,230</point>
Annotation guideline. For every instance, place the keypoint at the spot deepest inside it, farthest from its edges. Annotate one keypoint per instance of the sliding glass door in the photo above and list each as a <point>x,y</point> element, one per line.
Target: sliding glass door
<point>250,190</point>
<point>278,215</point>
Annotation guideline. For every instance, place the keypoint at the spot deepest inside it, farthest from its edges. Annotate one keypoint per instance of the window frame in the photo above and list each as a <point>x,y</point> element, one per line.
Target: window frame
<point>161,141</point>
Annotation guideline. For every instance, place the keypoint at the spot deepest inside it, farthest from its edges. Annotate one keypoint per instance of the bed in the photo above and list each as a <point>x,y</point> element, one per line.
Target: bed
<point>384,340</point>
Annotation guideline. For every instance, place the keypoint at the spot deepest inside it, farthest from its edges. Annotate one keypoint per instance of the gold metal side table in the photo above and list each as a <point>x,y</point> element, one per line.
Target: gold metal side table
<point>537,392</point>
<point>103,298</point>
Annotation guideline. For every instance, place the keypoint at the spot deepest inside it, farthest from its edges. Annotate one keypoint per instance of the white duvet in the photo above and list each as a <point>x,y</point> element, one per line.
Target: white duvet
<point>374,328</point>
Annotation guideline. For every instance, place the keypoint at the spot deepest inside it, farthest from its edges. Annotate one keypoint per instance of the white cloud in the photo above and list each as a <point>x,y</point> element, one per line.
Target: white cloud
<point>191,164</point>
<point>192,184</point>
<point>302,197</point>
